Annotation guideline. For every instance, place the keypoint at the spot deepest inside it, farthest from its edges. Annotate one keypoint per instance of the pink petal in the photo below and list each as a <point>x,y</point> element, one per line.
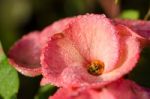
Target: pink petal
<point>139,26</point>
<point>95,38</point>
<point>121,89</point>
<point>58,58</point>
<point>129,51</point>
<point>126,89</point>
<point>56,27</point>
<point>127,31</point>
<point>71,93</point>
<point>24,55</point>
<point>64,61</point>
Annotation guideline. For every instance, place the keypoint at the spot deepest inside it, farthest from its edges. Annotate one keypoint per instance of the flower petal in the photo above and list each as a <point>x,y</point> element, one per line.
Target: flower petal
<point>24,55</point>
<point>58,59</point>
<point>127,31</point>
<point>95,38</point>
<point>56,27</point>
<point>129,51</point>
<point>139,26</point>
<point>126,89</point>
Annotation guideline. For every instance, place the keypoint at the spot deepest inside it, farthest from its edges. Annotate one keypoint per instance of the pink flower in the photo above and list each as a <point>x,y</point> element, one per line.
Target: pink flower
<point>120,89</point>
<point>84,50</point>
<point>91,51</point>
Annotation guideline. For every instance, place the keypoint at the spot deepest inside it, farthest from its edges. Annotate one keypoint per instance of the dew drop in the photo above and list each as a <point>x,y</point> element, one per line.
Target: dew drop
<point>57,36</point>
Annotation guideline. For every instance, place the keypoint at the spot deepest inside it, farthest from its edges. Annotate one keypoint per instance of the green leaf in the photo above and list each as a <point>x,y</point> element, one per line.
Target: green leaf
<point>77,7</point>
<point>2,55</point>
<point>45,91</point>
<point>130,14</point>
<point>9,81</point>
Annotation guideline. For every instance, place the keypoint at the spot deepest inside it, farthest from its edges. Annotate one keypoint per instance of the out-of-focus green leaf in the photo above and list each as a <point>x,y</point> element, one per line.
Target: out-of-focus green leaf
<point>9,81</point>
<point>74,7</point>
<point>13,13</point>
<point>45,91</point>
<point>130,14</point>
<point>2,55</point>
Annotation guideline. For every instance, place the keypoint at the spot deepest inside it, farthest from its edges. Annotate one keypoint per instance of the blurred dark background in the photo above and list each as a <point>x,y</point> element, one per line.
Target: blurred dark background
<point>18,17</point>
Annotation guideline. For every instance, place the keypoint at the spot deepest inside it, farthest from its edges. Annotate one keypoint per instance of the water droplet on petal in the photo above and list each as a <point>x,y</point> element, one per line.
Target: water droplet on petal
<point>57,36</point>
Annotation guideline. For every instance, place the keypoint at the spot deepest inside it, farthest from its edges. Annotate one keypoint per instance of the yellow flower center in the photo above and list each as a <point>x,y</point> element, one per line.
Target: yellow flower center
<point>96,68</point>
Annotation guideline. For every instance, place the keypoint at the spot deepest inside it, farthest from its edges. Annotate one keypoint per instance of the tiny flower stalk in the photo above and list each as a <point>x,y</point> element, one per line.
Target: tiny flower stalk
<point>96,68</point>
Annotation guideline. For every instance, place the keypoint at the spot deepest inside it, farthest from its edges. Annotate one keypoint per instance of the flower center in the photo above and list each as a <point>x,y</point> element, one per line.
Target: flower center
<point>96,68</point>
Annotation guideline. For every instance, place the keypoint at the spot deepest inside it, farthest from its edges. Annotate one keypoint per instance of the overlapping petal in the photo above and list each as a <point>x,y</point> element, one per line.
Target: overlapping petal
<point>25,54</point>
<point>129,55</point>
<point>120,89</point>
<point>139,26</point>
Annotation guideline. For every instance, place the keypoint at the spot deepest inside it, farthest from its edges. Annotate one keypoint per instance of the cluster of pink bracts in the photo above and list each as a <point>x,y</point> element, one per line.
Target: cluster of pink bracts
<point>87,56</point>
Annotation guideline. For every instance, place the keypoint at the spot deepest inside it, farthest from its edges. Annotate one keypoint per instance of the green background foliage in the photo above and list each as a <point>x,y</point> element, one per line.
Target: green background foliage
<point>9,81</point>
